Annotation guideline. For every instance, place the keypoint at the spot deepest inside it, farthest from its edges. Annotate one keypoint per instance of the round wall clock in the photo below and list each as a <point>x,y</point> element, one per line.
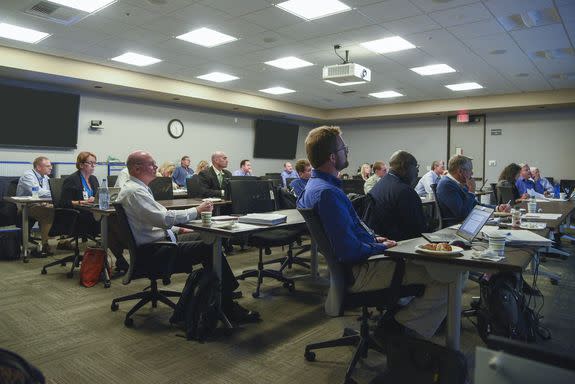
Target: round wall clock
<point>176,128</point>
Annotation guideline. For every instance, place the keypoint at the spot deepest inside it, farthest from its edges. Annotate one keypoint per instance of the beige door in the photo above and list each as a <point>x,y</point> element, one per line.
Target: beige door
<point>468,139</point>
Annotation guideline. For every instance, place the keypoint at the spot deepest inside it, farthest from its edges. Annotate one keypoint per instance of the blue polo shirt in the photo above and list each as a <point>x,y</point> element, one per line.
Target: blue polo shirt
<point>351,241</point>
<point>524,185</point>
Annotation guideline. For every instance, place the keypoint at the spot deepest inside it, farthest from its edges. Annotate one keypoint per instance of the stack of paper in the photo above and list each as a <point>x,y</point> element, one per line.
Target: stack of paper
<point>519,237</point>
<point>263,218</point>
<point>542,216</point>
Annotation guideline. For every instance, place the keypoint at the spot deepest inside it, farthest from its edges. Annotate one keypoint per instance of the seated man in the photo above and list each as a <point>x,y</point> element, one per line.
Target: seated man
<point>213,180</point>
<point>354,244</point>
<point>150,221</point>
<point>455,200</point>
<point>183,172</point>
<point>37,177</point>
<point>303,168</point>
<point>379,171</point>
<point>245,168</point>
<point>397,211</point>
<point>423,187</point>
<point>123,176</point>
<point>542,185</point>
<point>524,183</point>
<point>288,173</point>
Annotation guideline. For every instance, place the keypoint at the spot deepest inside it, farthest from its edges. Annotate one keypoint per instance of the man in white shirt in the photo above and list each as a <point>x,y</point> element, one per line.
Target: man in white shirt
<point>123,176</point>
<point>379,171</point>
<point>150,222</point>
<point>423,187</point>
<point>37,177</point>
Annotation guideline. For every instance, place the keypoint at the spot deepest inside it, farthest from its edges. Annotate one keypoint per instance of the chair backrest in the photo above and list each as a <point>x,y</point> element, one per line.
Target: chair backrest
<point>252,196</point>
<point>334,304</point>
<point>567,185</point>
<point>276,181</point>
<point>442,218</point>
<point>274,175</point>
<point>112,180</point>
<point>162,188</point>
<point>245,178</point>
<point>194,187</point>
<point>126,232</point>
<point>550,180</point>
<point>353,186</point>
<point>56,186</point>
<point>505,194</point>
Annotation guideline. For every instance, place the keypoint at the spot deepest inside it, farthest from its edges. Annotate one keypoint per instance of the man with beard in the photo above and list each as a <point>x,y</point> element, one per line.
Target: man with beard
<point>353,243</point>
<point>397,211</point>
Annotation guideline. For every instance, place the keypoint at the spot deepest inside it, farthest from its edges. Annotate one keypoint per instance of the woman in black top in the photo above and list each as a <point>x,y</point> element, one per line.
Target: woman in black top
<point>81,188</point>
<point>508,177</point>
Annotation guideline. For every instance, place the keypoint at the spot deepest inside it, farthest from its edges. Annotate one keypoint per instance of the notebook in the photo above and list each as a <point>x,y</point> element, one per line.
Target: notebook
<point>468,230</point>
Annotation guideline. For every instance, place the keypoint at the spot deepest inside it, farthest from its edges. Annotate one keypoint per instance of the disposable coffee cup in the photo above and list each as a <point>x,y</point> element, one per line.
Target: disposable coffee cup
<point>497,244</point>
<point>562,195</point>
<point>206,218</point>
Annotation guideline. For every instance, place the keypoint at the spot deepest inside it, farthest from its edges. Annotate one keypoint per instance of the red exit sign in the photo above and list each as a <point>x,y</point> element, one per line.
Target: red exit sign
<point>463,118</point>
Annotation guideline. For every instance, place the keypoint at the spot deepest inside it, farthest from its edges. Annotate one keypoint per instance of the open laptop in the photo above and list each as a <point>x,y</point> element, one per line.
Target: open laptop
<point>468,229</point>
<point>114,191</point>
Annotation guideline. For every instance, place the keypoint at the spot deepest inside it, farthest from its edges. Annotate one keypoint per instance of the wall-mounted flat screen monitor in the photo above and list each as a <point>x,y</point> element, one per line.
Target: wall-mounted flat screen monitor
<point>275,139</point>
<point>38,118</point>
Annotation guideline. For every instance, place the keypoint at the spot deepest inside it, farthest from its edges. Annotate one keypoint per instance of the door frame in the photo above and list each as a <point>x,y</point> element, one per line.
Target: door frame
<point>484,117</point>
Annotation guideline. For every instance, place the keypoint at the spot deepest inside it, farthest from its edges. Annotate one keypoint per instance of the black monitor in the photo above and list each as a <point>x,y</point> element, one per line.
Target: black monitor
<point>353,186</point>
<point>251,196</point>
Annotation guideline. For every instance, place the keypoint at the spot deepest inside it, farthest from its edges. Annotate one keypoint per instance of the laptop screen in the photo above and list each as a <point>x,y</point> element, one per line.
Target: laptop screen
<point>474,222</point>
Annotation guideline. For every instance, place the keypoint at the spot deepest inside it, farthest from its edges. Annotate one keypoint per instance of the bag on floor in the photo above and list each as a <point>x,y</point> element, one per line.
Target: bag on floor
<point>10,243</point>
<point>92,266</point>
<point>413,360</point>
<point>15,370</point>
<point>198,305</point>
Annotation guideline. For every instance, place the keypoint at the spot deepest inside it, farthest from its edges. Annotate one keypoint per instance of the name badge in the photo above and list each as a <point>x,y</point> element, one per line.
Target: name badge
<point>84,195</point>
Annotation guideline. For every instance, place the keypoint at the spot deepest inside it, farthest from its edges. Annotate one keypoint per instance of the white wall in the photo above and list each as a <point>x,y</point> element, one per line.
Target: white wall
<point>130,125</point>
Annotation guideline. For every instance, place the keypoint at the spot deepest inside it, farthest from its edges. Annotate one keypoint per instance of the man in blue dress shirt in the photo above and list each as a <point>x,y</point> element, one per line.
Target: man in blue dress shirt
<point>245,168</point>
<point>183,172</point>
<point>354,243</point>
<point>524,184</point>
<point>542,185</point>
<point>303,169</point>
<point>288,173</point>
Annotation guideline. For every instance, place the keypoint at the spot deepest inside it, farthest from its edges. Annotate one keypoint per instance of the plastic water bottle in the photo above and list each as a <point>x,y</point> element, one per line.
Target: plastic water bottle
<point>35,191</point>
<point>104,195</point>
<point>556,191</point>
<point>532,205</point>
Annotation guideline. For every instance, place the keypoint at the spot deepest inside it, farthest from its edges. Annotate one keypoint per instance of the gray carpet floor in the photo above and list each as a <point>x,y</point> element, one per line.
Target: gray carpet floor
<point>69,332</point>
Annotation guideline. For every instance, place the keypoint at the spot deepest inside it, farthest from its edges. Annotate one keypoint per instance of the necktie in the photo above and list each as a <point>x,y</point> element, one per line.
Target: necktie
<point>220,178</point>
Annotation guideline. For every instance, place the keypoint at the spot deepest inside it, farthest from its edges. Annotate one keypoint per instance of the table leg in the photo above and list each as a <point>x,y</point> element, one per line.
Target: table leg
<point>104,234</point>
<point>217,262</point>
<point>25,233</point>
<point>454,312</point>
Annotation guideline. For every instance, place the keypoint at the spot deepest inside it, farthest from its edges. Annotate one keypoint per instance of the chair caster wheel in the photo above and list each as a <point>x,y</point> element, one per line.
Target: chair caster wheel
<point>114,307</point>
<point>290,286</point>
<point>309,356</point>
<point>69,275</point>
<point>43,271</point>
<point>255,295</point>
<point>129,322</point>
<point>107,285</point>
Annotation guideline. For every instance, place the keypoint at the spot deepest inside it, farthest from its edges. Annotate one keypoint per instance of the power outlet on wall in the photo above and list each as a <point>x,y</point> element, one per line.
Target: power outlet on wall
<point>492,163</point>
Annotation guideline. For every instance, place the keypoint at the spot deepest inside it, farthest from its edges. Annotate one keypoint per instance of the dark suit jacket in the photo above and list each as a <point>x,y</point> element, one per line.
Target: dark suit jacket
<point>72,190</point>
<point>397,212</point>
<point>455,201</point>
<point>209,182</point>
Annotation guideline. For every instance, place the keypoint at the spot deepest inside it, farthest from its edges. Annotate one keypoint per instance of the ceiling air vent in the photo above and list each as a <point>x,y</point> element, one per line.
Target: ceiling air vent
<point>56,13</point>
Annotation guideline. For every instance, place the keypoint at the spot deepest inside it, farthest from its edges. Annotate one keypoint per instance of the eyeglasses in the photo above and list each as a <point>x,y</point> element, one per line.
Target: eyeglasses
<point>92,163</point>
<point>152,163</point>
<point>345,148</point>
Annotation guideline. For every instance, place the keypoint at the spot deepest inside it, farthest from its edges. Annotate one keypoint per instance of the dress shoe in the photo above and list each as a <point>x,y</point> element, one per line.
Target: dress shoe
<point>122,265</point>
<point>241,315</point>
<point>46,250</point>
<point>65,245</point>
<point>237,295</point>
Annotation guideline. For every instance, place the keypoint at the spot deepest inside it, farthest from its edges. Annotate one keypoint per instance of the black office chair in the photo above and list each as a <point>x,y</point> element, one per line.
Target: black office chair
<point>443,220</point>
<point>194,187</point>
<point>567,185</point>
<point>64,224</point>
<point>162,188</point>
<point>340,298</point>
<point>256,197</point>
<point>151,261</point>
<point>275,180</point>
<point>8,211</point>
<point>112,180</point>
<point>505,194</point>
<point>245,178</point>
<point>353,186</point>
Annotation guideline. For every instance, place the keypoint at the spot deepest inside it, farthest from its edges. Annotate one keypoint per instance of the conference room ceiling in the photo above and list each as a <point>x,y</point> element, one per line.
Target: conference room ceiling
<point>484,41</point>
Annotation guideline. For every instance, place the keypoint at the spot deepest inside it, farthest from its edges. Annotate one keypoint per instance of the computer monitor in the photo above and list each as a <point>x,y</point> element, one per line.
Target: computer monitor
<point>252,196</point>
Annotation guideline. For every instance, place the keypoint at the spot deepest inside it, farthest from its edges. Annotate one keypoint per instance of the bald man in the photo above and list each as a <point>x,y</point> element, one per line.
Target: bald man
<point>151,222</point>
<point>214,180</point>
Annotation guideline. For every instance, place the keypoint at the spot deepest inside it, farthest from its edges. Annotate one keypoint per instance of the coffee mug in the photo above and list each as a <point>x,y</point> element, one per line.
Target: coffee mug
<point>206,218</point>
<point>497,244</point>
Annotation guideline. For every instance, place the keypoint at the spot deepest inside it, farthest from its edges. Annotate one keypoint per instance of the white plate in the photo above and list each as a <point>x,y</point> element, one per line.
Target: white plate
<point>454,250</point>
<point>212,199</point>
<point>531,225</point>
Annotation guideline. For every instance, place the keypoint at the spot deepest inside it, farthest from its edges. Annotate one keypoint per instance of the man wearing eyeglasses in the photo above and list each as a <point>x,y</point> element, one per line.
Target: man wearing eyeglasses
<point>353,242</point>
<point>397,211</point>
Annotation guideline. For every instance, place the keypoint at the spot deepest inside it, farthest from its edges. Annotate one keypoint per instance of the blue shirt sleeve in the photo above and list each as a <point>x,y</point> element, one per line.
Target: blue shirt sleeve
<point>458,201</point>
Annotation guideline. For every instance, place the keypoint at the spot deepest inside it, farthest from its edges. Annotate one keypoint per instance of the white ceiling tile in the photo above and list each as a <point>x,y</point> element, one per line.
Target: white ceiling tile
<point>477,29</point>
<point>272,18</point>
<point>100,23</point>
<point>390,10</point>
<point>567,12</point>
<point>238,28</point>
<point>237,8</point>
<point>570,28</point>
<point>168,25</point>
<point>200,15</point>
<point>432,6</point>
<point>268,39</point>
<point>436,42</point>
<point>409,25</point>
<point>510,7</point>
<point>540,38</point>
<point>161,8</point>
<point>461,15</point>
<point>127,13</point>
<point>142,35</point>
<point>334,24</point>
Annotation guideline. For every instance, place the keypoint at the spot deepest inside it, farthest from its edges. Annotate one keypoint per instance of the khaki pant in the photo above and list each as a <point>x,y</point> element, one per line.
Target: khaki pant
<point>423,314</point>
<point>45,216</point>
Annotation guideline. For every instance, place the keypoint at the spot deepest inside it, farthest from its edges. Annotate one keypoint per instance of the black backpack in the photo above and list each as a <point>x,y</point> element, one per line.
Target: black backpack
<point>504,310</point>
<point>198,305</point>
<point>14,369</point>
<point>10,240</point>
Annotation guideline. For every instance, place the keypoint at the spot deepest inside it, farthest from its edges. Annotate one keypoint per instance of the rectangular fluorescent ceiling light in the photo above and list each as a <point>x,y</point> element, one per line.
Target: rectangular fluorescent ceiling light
<point>277,90</point>
<point>13,32</point>
<point>289,62</point>
<point>89,6</point>
<point>386,94</point>
<point>464,86</point>
<point>387,45</point>
<point>218,77</point>
<point>206,37</point>
<point>313,9</point>
<point>435,69</point>
<point>136,59</point>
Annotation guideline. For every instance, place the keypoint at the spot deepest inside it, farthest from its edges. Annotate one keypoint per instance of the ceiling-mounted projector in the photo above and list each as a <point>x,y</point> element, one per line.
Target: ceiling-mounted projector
<point>346,73</point>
